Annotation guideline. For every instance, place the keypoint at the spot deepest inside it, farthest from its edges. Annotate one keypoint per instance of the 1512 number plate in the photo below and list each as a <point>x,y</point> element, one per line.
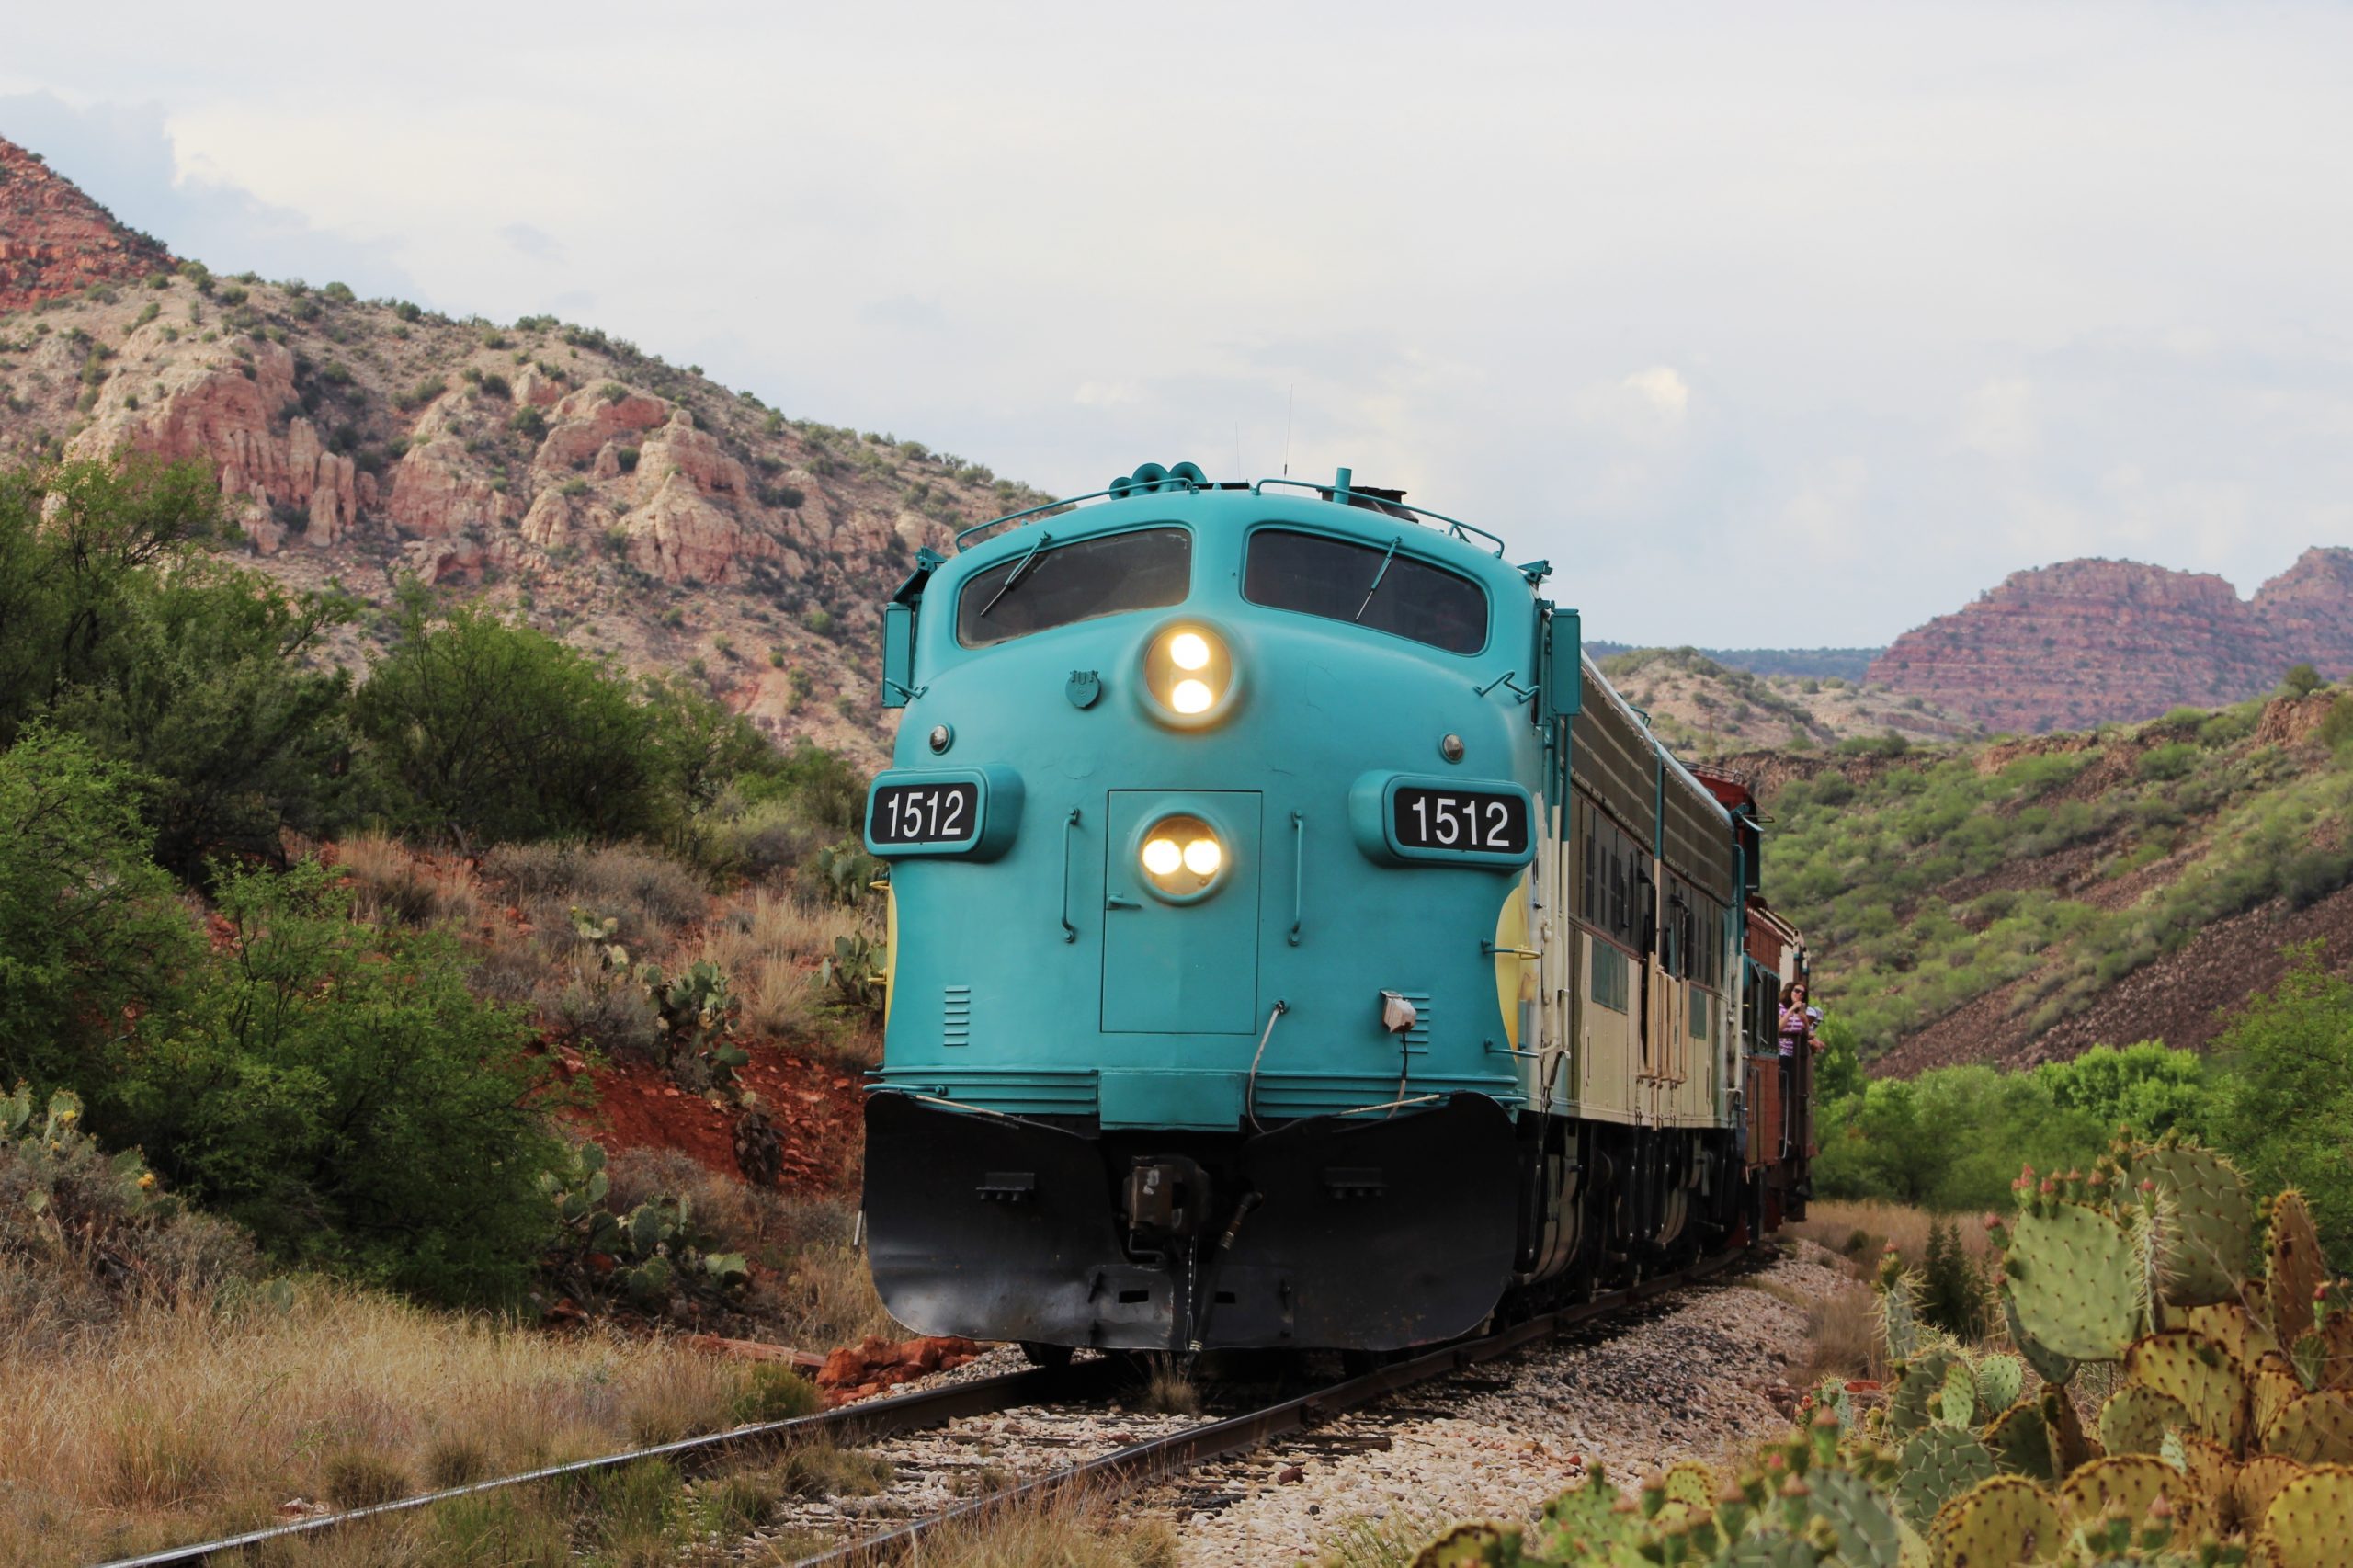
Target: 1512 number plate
<point>1471,822</point>
<point>943,812</point>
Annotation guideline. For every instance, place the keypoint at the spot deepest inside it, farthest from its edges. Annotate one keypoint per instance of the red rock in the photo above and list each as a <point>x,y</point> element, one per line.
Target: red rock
<point>843,1369</point>
<point>59,242</point>
<point>1290,1476</point>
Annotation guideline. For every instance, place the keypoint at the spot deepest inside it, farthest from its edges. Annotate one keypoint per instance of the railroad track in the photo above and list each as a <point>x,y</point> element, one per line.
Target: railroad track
<point>1136,1464</point>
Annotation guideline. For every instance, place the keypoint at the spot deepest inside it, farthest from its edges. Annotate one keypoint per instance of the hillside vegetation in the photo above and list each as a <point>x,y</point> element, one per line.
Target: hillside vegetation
<point>2020,901</point>
<point>1706,708</point>
<point>624,505</point>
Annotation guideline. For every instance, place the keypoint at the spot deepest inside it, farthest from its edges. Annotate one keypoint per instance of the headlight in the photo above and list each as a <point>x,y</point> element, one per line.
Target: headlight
<point>1182,856</point>
<point>1189,675</point>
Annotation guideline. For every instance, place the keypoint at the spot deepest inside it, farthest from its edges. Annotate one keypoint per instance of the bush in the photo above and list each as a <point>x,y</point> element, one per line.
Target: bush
<point>486,732</point>
<point>2284,1101</point>
<point>337,1089</point>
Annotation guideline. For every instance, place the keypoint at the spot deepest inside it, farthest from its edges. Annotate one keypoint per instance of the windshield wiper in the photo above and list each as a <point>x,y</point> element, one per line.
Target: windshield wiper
<point>1377,576</point>
<point>1020,570</point>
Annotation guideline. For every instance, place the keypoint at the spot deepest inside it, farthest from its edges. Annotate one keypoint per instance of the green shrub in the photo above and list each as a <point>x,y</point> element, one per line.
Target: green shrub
<point>337,1089</point>
<point>2173,760</point>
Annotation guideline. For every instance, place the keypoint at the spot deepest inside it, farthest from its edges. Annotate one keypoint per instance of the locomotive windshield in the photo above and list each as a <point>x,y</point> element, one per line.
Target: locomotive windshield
<point>1055,584</point>
<point>1367,584</point>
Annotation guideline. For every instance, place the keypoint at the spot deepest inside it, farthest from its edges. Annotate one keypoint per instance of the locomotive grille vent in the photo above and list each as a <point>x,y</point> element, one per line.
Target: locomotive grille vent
<point>956,1016</point>
<point>1417,1039</point>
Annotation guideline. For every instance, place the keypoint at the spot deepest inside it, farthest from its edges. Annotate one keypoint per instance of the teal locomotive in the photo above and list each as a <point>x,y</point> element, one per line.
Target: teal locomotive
<point>1294,941</point>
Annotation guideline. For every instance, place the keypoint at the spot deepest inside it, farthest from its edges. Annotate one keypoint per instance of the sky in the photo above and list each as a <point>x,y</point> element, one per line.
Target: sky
<point>1786,325</point>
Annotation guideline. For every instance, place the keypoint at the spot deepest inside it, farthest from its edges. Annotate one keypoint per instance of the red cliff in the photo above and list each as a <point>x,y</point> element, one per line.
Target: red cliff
<point>54,241</point>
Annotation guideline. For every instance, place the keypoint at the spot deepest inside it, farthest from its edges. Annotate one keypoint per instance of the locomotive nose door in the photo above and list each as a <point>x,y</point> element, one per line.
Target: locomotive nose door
<point>1180,951</point>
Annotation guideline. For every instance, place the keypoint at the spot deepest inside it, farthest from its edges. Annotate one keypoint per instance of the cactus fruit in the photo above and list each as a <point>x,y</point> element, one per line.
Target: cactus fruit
<point>2131,1483</point>
<point>1996,1523</point>
<point>2314,1428</point>
<point>1939,1464</point>
<point>2203,1216</point>
<point>2194,1371</point>
<point>2310,1522</point>
<point>2001,1378</point>
<point>2076,1280</point>
<point>2295,1271</point>
<point>2134,1420</point>
<point>1919,1385</point>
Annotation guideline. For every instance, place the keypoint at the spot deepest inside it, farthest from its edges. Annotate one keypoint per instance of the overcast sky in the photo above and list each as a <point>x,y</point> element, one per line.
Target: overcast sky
<point>1769,324</point>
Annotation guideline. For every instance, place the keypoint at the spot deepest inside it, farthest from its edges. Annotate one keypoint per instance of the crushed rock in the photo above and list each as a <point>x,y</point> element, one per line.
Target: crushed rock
<point>1692,1377</point>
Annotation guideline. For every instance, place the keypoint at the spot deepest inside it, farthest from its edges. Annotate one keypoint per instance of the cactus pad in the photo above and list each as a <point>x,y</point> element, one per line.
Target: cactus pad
<point>1956,1403</point>
<point>2131,1481</point>
<point>1997,1524</point>
<point>2271,1387</point>
<point>2076,1277</point>
<point>2020,1442</point>
<point>2245,1335</point>
<point>2134,1419</point>
<point>2252,1487</point>
<point>1913,1402</point>
<point>1939,1464</point>
<point>2194,1370</point>
<point>2205,1222</point>
<point>2048,1364</point>
<point>1765,1551</point>
<point>2310,1521</point>
<point>2314,1428</point>
<point>1869,1535</point>
<point>2296,1270</point>
<point>2001,1378</point>
<point>1472,1546</point>
<point>1899,1315</point>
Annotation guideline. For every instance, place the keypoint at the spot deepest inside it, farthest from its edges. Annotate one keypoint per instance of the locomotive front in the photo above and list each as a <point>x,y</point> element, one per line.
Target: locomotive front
<point>1205,819</point>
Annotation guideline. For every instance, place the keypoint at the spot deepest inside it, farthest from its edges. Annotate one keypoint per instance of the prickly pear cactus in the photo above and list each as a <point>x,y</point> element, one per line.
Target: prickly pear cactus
<point>2314,1428</point>
<point>2202,1220</point>
<point>2194,1371</point>
<point>2131,1483</point>
<point>2077,1279</point>
<point>2003,1521</point>
<point>2243,1335</point>
<point>1920,1385</point>
<point>1860,1521</point>
<point>2135,1420</point>
<point>2295,1271</point>
<point>2048,1364</point>
<point>1939,1464</point>
<point>2001,1379</point>
<point>2020,1441</point>
<point>1955,1404</point>
<point>2310,1521</point>
<point>2248,1489</point>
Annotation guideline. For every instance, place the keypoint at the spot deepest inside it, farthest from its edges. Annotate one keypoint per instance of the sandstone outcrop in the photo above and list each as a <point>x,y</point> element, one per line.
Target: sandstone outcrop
<point>2087,642</point>
<point>55,241</point>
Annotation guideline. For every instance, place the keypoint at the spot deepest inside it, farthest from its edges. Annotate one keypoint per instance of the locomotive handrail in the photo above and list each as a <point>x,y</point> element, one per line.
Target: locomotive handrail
<point>1456,526</point>
<point>1298,874</point>
<point>1125,487</point>
<point>1070,825</point>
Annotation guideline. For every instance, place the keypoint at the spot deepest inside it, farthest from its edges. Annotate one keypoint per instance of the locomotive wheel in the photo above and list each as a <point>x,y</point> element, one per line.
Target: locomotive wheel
<point>1053,1357</point>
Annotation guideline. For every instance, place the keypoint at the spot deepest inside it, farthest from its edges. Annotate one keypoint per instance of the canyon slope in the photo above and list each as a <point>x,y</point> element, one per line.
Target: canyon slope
<point>629,506</point>
<point>2092,642</point>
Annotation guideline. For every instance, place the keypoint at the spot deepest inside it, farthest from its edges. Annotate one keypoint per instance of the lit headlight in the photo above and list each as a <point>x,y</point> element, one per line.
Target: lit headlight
<point>1189,673</point>
<point>1182,855</point>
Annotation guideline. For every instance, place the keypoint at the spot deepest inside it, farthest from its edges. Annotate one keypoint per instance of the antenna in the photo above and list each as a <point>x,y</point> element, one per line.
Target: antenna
<point>1290,403</point>
<point>1237,448</point>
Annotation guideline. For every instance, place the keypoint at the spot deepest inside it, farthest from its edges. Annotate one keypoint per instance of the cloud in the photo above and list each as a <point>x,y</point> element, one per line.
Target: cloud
<point>1663,390</point>
<point>530,241</point>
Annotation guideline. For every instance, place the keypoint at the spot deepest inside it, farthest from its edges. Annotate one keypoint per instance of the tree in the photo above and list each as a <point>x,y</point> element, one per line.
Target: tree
<point>2303,680</point>
<point>88,927</point>
<point>486,732</point>
<point>2284,1096</point>
<point>335,1087</point>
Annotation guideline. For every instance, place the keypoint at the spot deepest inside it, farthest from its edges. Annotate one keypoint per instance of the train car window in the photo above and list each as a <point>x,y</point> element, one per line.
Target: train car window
<point>1110,575</point>
<point>1367,584</point>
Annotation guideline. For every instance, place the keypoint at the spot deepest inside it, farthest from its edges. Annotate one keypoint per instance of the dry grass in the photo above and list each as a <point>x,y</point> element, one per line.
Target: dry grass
<point>771,946</point>
<point>1862,1230</point>
<point>1842,1337</point>
<point>392,885</point>
<point>1068,1528</point>
<point>193,1420</point>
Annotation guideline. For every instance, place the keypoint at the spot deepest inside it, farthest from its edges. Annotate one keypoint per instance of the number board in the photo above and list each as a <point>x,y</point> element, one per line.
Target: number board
<point>1458,822</point>
<point>933,812</point>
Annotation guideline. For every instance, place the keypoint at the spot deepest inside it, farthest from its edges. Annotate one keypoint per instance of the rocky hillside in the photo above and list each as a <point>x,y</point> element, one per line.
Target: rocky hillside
<point>2089,641</point>
<point>2020,901</point>
<point>55,241</point>
<point>1704,709</point>
<point>626,504</point>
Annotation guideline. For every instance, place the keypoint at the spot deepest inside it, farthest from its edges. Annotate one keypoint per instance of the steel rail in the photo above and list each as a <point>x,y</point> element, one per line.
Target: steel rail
<point>850,1424</point>
<point>1159,1458</point>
